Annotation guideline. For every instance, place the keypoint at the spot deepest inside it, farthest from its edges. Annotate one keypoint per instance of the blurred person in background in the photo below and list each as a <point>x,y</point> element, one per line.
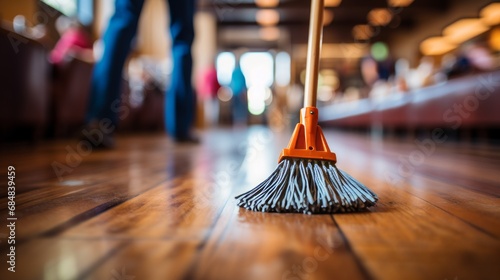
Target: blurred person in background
<point>104,106</point>
<point>402,70</point>
<point>471,58</point>
<point>423,75</point>
<point>369,70</point>
<point>377,74</point>
<point>238,86</point>
<point>456,65</point>
<point>480,57</point>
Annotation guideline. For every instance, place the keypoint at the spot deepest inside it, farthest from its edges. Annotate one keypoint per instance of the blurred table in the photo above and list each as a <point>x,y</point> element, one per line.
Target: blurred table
<point>471,101</point>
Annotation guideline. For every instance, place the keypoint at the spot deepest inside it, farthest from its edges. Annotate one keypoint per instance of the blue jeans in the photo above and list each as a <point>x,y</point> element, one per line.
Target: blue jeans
<point>107,75</point>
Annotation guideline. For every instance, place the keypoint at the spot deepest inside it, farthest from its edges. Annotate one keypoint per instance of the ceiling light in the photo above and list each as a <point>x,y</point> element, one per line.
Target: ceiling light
<point>464,29</point>
<point>399,3</point>
<point>436,46</point>
<point>267,17</point>
<point>327,17</point>
<point>379,51</point>
<point>379,17</point>
<point>269,33</point>
<point>491,14</point>
<point>267,3</point>
<point>362,32</point>
<point>334,51</point>
<point>332,3</point>
<point>494,39</point>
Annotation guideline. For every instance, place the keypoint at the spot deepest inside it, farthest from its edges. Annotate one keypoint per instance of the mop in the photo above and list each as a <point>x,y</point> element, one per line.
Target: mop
<point>306,179</point>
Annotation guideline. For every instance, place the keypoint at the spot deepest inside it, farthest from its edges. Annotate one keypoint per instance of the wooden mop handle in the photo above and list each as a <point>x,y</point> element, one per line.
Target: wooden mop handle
<point>314,52</point>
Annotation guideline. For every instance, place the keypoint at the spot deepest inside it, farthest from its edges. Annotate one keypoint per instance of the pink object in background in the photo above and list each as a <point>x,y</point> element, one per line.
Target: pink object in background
<point>208,85</point>
<point>72,40</point>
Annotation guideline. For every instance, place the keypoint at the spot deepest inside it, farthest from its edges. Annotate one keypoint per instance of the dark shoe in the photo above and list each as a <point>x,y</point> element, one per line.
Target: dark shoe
<point>98,138</point>
<point>190,139</point>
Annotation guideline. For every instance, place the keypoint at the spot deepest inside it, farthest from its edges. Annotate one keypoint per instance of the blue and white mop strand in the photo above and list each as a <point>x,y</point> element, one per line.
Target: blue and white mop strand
<point>308,186</point>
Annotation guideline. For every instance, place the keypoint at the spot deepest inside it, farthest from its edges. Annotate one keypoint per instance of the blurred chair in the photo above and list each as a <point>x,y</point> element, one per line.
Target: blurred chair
<point>24,85</point>
<point>71,94</point>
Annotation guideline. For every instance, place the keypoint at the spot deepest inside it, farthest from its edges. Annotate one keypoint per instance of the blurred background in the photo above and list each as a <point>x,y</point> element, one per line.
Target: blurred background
<point>391,67</point>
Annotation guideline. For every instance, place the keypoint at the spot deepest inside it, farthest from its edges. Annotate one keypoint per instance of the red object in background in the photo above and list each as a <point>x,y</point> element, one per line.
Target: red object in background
<point>208,85</point>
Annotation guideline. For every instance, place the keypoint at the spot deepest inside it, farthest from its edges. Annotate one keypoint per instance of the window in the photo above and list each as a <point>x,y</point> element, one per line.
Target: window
<point>81,9</point>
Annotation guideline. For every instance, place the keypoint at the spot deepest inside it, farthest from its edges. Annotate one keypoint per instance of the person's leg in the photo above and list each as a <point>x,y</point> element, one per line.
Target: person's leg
<point>180,99</point>
<point>107,75</point>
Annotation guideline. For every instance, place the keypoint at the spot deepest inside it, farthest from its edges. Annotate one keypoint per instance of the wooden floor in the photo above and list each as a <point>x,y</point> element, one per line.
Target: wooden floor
<point>151,209</point>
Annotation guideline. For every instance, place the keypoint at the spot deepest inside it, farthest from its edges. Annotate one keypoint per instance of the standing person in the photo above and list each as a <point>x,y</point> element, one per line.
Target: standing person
<point>106,79</point>
<point>238,86</point>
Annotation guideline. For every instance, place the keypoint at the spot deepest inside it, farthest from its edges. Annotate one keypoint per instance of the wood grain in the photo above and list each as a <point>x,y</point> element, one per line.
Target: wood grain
<point>51,258</point>
<point>151,209</point>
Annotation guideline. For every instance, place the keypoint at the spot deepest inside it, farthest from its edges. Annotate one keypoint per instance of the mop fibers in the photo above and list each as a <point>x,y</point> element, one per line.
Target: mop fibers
<point>308,186</point>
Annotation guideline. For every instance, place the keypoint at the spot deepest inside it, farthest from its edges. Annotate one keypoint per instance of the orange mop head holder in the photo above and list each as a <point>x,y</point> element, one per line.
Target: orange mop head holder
<point>308,140</point>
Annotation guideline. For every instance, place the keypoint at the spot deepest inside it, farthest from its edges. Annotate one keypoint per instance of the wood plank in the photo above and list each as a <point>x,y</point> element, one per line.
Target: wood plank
<point>404,224</point>
<point>34,164</point>
<point>474,208</point>
<point>466,171</point>
<point>51,258</point>
<point>463,199</point>
<point>252,245</point>
<point>147,259</point>
<point>185,206</point>
<point>58,208</point>
<point>51,209</point>
<point>424,227</point>
<point>180,209</point>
